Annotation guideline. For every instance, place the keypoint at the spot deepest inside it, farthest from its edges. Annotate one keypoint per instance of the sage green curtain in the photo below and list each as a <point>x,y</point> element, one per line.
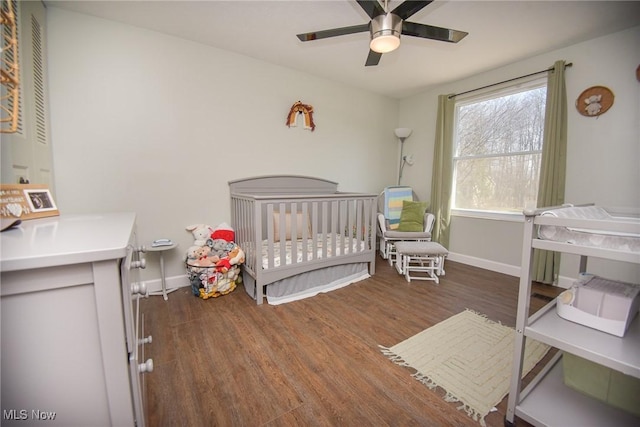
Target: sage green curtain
<point>546,265</point>
<point>442,179</point>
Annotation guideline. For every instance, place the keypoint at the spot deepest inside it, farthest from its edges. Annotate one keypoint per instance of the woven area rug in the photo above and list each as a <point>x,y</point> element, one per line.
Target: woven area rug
<point>469,356</point>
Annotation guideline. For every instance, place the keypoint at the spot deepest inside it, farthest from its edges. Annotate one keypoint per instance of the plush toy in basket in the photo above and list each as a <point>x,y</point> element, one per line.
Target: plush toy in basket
<point>213,262</point>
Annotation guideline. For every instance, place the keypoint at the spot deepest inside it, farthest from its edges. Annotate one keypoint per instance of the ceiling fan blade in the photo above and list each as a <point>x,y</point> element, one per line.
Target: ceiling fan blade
<point>431,32</point>
<point>408,8</point>
<point>315,35</point>
<point>373,58</point>
<point>371,7</point>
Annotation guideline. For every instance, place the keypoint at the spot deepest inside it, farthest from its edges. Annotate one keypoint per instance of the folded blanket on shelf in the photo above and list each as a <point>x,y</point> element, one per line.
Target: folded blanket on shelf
<point>590,236</point>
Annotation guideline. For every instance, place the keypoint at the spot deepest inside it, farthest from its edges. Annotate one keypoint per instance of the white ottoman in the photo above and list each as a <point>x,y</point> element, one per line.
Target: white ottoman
<point>420,257</point>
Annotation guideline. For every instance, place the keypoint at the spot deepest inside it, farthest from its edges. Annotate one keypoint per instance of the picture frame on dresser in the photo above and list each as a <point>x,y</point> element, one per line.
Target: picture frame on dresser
<point>26,201</point>
<point>40,200</point>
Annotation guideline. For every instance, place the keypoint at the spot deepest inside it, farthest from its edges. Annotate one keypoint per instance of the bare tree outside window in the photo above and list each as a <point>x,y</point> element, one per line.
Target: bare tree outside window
<point>498,150</point>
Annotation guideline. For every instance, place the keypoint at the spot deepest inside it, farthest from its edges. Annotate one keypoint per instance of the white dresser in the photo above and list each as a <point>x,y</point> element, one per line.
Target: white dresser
<point>71,345</point>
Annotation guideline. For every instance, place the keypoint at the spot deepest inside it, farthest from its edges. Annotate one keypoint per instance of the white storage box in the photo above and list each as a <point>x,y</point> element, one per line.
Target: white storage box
<point>599,303</point>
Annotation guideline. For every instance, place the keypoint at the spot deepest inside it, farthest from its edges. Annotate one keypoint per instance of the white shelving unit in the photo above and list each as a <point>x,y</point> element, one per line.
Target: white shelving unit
<point>547,401</point>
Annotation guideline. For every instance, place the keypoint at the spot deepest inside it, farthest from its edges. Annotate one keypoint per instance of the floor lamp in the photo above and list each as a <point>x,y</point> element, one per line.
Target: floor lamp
<point>402,134</point>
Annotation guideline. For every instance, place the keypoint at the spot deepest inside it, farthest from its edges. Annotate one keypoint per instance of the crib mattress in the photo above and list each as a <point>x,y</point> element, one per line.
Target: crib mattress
<point>628,242</point>
<point>342,247</point>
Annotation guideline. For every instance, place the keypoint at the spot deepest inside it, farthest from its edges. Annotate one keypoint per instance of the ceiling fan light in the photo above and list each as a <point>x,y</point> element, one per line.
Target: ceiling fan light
<point>385,33</point>
<point>384,44</point>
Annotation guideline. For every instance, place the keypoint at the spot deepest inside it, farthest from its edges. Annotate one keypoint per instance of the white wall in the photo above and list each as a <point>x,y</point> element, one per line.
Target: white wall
<point>158,125</point>
<point>603,158</point>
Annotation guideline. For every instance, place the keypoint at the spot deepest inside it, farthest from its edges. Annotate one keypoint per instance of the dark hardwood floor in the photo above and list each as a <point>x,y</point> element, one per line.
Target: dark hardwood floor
<point>315,362</point>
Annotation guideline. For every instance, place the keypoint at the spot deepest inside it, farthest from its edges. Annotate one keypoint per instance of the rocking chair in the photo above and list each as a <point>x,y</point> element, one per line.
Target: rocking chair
<point>390,211</point>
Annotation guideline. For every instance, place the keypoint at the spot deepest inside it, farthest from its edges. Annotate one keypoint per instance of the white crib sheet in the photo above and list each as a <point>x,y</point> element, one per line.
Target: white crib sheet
<point>342,247</point>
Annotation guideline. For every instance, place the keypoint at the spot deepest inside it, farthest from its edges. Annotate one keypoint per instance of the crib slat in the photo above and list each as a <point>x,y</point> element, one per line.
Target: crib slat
<point>294,233</point>
<point>305,231</point>
<point>283,234</point>
<point>270,236</point>
<point>314,229</point>
<point>334,226</point>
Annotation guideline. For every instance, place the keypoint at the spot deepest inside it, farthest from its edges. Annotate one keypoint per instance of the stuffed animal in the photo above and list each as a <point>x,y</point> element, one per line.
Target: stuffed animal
<point>225,232</point>
<point>236,256</point>
<point>201,252</point>
<point>209,261</point>
<point>193,252</point>
<point>233,273</point>
<point>593,104</point>
<point>201,232</point>
<point>219,247</point>
<point>223,265</point>
<point>200,256</point>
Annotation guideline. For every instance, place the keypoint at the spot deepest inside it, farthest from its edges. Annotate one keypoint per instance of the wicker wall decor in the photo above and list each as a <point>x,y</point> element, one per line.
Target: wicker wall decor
<point>9,71</point>
<point>306,110</point>
<point>594,101</point>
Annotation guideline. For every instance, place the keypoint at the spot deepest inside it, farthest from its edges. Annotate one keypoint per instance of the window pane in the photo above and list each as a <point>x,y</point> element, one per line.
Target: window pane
<point>508,124</point>
<point>507,183</point>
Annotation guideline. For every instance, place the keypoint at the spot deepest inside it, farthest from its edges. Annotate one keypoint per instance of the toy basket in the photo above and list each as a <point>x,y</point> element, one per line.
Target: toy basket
<point>208,282</point>
<point>213,264</point>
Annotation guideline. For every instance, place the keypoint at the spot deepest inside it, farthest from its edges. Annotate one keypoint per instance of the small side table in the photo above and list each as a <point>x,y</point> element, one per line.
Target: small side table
<point>161,250</point>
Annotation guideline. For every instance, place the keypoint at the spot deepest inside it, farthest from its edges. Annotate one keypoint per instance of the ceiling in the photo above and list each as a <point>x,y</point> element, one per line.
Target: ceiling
<point>500,32</point>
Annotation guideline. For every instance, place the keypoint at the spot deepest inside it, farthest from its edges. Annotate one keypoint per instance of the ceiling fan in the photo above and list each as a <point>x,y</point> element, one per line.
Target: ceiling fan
<point>386,27</point>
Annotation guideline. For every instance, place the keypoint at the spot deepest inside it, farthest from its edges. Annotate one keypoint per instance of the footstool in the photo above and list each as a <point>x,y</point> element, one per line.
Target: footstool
<point>420,257</point>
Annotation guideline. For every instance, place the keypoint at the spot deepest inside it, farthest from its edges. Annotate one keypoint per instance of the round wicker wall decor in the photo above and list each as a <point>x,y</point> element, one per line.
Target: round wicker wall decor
<point>594,101</point>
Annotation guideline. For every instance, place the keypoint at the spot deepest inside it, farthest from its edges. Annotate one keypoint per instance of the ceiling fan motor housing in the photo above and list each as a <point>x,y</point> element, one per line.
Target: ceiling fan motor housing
<point>386,25</point>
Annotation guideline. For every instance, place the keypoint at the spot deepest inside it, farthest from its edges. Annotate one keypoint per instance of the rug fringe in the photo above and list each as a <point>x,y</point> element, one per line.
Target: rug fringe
<point>393,357</point>
<point>484,316</point>
<point>425,380</point>
<point>472,413</point>
<point>450,398</point>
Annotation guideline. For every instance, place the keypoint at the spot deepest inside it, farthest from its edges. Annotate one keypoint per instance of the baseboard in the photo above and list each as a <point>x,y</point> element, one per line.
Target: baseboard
<point>565,282</point>
<point>510,270</point>
<point>155,285</point>
<point>498,267</point>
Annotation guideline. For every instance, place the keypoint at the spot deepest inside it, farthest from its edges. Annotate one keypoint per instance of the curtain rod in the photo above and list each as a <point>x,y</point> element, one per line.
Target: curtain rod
<point>506,81</point>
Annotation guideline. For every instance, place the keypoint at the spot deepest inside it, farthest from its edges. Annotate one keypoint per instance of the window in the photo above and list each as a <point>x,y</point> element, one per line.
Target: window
<point>498,148</point>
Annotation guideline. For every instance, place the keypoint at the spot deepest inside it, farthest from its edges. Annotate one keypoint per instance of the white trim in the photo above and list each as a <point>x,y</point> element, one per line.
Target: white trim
<point>155,285</point>
<point>565,282</point>
<point>491,215</point>
<point>506,88</point>
<point>486,264</point>
<point>497,155</point>
<point>510,270</point>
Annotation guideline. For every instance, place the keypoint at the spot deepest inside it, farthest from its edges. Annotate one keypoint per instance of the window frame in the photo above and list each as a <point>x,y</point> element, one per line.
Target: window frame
<point>506,89</point>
